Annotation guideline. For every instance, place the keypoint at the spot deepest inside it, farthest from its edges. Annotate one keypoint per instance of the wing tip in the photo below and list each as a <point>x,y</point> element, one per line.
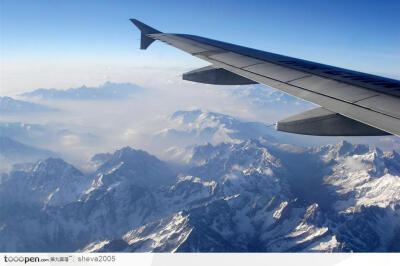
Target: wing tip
<point>146,29</point>
<point>145,40</point>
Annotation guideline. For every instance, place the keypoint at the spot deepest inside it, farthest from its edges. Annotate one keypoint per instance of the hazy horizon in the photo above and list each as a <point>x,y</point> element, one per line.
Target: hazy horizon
<point>67,44</point>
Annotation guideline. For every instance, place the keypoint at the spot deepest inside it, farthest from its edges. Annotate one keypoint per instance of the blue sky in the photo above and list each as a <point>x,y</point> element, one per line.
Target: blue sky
<point>67,36</point>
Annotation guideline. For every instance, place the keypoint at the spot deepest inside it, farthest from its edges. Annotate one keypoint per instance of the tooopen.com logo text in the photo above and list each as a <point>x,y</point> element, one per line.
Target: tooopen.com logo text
<point>22,259</point>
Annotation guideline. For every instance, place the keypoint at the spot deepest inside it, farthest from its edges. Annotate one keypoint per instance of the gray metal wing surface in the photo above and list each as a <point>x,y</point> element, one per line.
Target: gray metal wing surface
<point>366,104</point>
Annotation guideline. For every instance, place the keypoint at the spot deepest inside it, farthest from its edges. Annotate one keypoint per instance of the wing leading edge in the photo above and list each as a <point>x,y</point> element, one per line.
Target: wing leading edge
<point>358,103</point>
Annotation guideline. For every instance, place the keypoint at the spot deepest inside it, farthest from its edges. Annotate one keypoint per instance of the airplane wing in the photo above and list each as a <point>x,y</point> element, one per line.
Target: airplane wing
<point>352,103</point>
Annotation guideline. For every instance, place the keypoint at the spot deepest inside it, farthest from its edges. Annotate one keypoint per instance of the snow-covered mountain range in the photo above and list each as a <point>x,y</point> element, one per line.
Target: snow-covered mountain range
<point>222,184</point>
<point>255,195</point>
<point>10,106</point>
<point>269,98</point>
<point>187,129</point>
<point>107,91</point>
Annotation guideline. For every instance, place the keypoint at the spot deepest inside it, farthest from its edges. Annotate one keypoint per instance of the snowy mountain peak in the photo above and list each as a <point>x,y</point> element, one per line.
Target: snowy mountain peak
<point>127,155</point>
<point>186,116</point>
<point>196,127</point>
<point>48,182</point>
<point>201,120</point>
<point>344,148</point>
<point>52,165</point>
<point>54,171</point>
<point>135,166</point>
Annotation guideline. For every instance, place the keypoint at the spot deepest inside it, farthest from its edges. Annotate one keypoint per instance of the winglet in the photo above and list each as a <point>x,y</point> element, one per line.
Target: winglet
<point>145,40</point>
